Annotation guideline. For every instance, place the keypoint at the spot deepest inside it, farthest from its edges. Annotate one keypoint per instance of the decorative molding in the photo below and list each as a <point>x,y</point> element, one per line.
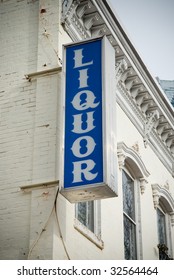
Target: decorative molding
<point>172,218</point>
<point>78,26</point>
<point>99,30</point>
<point>68,7</point>
<point>134,113</point>
<point>120,68</point>
<point>128,156</point>
<point>163,153</point>
<point>166,185</point>
<point>161,193</point>
<point>152,118</point>
<point>129,153</point>
<point>121,159</point>
<point>136,147</point>
<point>82,7</point>
<point>125,101</point>
<point>90,19</point>
<point>143,183</point>
<point>156,195</point>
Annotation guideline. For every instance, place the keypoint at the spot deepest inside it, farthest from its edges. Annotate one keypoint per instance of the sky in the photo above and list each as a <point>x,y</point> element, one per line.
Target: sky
<point>149,25</point>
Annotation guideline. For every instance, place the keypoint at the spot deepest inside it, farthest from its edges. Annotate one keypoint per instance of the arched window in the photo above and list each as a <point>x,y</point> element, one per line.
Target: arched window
<point>164,205</point>
<point>134,174</point>
<point>161,222</point>
<point>129,217</point>
<point>130,158</point>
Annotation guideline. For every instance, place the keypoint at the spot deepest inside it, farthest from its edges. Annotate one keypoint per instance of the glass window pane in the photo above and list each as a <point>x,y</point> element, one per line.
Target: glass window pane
<point>129,218</point>
<point>81,213</point>
<point>90,215</point>
<point>129,239</point>
<point>128,196</point>
<point>85,214</point>
<point>161,227</point>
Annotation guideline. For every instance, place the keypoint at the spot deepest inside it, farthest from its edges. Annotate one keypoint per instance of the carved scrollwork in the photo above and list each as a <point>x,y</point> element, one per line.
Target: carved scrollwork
<point>121,70</point>
<point>151,120</point>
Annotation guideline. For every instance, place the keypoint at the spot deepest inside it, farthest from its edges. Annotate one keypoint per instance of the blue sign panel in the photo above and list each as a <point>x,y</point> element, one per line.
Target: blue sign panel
<point>83,144</point>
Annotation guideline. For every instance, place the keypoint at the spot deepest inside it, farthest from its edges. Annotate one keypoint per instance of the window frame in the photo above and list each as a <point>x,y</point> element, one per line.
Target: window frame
<point>93,236</point>
<point>162,199</point>
<point>137,209</point>
<point>161,207</point>
<point>161,211</point>
<point>89,220</point>
<point>129,159</point>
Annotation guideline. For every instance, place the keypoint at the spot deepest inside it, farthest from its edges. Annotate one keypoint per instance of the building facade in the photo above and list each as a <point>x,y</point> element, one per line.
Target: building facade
<point>36,221</point>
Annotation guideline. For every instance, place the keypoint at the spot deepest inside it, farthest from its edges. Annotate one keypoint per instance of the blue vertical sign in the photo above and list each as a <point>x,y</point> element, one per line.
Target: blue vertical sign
<point>83,143</point>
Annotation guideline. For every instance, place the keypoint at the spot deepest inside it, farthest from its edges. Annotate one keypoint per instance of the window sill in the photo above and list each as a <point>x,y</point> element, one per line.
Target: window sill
<point>88,234</point>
